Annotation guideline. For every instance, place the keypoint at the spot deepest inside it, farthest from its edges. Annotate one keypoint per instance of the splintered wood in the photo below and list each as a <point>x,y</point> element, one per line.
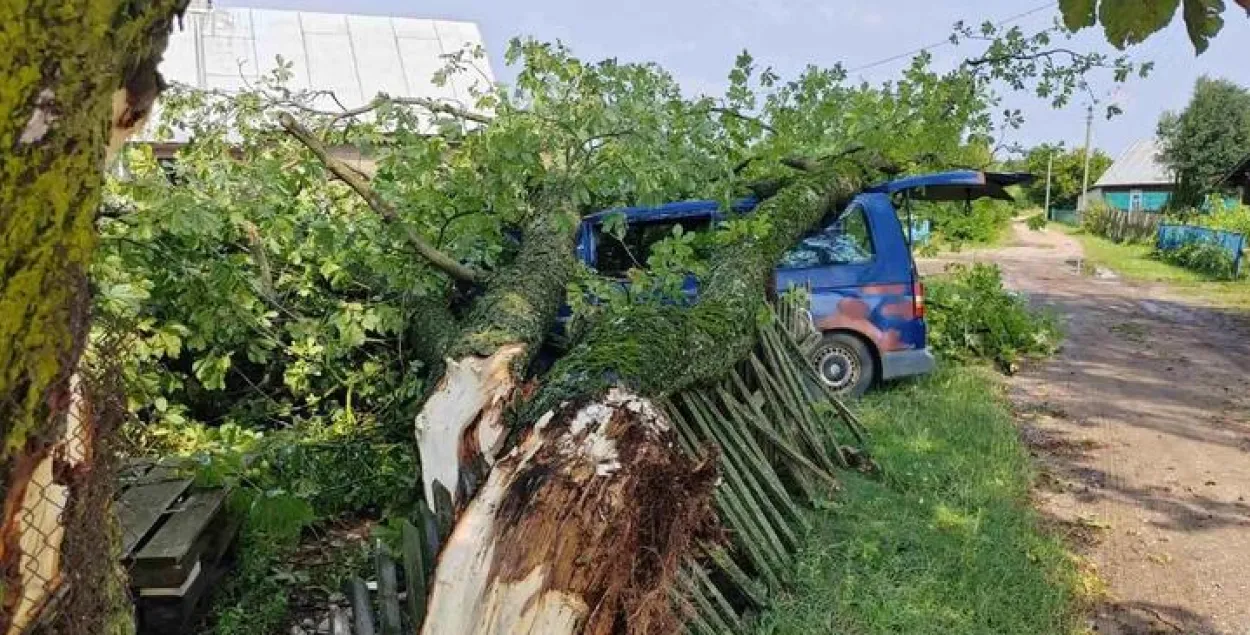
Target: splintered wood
<point>583,525</point>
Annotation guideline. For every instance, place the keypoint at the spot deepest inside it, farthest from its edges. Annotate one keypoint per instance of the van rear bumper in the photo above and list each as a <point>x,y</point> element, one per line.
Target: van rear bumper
<point>895,364</point>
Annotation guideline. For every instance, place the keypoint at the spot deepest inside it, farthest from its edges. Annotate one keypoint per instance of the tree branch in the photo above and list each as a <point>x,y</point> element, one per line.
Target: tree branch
<point>440,260</point>
<point>1024,57</point>
<point>730,112</point>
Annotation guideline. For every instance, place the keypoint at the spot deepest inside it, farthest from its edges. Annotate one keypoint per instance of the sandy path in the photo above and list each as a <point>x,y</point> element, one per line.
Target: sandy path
<point>1141,427</point>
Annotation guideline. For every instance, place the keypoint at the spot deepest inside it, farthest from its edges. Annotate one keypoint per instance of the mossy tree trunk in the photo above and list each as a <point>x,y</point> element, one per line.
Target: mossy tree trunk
<point>461,427</point>
<point>583,526</point>
<point>77,77</point>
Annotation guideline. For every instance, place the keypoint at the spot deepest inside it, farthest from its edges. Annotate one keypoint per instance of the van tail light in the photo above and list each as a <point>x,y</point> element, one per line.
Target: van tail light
<point>917,299</point>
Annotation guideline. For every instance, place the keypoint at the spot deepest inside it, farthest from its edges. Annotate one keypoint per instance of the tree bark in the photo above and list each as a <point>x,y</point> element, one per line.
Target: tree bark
<point>572,531</point>
<point>461,427</point>
<point>79,77</point>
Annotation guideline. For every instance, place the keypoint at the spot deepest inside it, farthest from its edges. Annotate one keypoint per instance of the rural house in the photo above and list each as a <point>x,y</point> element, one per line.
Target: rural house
<point>1238,180</point>
<point>1136,181</point>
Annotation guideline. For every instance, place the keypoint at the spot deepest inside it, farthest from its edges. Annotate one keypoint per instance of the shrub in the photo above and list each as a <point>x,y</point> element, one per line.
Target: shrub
<point>956,223</point>
<point>1037,222</point>
<point>972,317</point>
<point>1201,256</point>
<point>1232,218</point>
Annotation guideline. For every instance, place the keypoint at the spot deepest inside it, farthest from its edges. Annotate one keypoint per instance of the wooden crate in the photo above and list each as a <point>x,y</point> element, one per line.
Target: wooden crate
<point>174,541</point>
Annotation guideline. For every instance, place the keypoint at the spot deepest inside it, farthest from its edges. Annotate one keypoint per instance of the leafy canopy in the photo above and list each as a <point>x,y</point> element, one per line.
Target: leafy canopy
<point>1205,140</point>
<point>1066,174</point>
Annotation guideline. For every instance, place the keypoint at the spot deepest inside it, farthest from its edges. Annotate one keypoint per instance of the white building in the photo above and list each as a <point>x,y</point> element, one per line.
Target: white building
<point>355,57</point>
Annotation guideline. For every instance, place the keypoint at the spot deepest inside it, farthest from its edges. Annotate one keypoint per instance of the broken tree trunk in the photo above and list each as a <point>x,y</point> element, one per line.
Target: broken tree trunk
<point>69,70</point>
<point>571,533</point>
<point>460,428</point>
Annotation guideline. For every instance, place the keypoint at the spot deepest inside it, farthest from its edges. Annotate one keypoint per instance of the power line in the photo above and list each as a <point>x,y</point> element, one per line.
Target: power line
<point>1003,22</point>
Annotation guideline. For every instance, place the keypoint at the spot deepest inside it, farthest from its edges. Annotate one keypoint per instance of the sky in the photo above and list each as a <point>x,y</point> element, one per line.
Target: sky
<point>697,41</point>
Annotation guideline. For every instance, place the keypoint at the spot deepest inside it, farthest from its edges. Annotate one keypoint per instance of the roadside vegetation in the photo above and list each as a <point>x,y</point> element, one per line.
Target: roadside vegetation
<point>945,539</point>
<point>973,318</point>
<point>1125,243</point>
<point>1134,262</point>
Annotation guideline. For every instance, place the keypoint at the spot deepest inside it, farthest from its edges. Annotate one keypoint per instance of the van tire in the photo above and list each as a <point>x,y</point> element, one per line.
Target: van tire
<point>844,364</point>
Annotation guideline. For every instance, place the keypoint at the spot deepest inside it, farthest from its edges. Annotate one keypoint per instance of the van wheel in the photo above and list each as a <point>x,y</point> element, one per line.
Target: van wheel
<point>844,364</point>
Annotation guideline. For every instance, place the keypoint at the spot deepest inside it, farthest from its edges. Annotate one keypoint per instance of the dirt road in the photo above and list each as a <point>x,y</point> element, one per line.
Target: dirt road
<point>1141,427</point>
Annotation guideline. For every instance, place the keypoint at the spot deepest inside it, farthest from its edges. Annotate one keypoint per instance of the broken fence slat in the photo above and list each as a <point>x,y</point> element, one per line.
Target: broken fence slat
<point>691,590</point>
<point>362,608</point>
<point>414,573</point>
<point>746,468</point>
<point>738,491</point>
<point>751,588</point>
<point>739,433</point>
<point>388,592</point>
<point>716,597</point>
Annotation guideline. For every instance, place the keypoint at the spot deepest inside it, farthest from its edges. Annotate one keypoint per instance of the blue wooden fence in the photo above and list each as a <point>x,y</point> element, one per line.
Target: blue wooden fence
<point>1173,236</point>
<point>1065,216</point>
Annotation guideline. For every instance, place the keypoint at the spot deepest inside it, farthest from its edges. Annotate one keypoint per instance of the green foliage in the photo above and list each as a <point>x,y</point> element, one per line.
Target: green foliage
<point>1067,173</point>
<point>1221,215</point>
<point>1126,23</point>
<point>1134,262</point>
<point>980,223</point>
<point>1037,222</point>
<point>1204,257</point>
<point>947,541</point>
<point>1202,143</point>
<point>972,317</point>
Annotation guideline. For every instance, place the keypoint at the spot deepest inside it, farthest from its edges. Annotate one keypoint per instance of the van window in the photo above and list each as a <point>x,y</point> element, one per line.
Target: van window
<point>614,257</point>
<point>847,241</point>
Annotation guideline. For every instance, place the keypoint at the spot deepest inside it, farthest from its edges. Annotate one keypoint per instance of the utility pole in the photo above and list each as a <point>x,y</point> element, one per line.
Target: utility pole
<point>1050,165</point>
<point>1089,131</point>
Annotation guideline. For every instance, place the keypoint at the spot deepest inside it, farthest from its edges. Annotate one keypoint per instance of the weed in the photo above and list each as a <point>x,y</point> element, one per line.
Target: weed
<point>1037,222</point>
<point>946,542</point>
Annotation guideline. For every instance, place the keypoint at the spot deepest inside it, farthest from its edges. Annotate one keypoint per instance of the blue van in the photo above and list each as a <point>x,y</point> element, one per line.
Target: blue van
<point>866,299</point>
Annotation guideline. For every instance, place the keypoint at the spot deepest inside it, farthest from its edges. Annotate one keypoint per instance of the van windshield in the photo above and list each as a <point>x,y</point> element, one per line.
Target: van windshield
<point>846,241</point>
<point>614,257</point>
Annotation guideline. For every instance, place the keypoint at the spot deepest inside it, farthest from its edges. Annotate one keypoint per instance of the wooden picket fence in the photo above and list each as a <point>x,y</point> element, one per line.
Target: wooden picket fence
<point>780,436</point>
<point>1120,226</point>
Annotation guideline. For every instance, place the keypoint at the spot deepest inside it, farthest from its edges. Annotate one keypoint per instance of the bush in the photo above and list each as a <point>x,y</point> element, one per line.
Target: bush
<point>1037,222</point>
<point>972,317</point>
<point>980,223</point>
<point>1231,218</point>
<point>1203,257</point>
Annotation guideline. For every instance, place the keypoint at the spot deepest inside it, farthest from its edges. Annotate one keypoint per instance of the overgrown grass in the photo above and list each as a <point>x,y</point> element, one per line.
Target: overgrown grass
<point>946,540</point>
<point>1134,263</point>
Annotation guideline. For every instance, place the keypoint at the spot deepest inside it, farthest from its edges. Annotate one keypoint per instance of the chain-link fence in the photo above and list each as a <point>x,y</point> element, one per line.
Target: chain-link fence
<point>63,577</point>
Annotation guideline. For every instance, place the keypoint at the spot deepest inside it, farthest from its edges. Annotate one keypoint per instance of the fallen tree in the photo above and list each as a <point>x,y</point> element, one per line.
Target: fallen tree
<point>583,496</point>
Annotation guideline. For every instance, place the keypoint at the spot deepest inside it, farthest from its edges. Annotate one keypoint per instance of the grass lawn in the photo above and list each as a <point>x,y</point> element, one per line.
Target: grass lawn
<point>945,541</point>
<point>1134,262</point>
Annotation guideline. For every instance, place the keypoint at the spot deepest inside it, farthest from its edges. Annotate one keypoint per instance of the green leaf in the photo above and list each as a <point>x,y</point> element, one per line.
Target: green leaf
<point>1203,21</point>
<point>1078,14</point>
<point>1128,22</point>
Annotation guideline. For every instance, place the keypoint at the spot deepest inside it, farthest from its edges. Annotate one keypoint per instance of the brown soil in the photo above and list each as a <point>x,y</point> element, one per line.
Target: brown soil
<point>1141,429</point>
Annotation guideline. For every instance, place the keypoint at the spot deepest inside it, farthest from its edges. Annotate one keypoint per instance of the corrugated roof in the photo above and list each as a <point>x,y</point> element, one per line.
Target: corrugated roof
<point>1138,165</point>
<point>353,56</point>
